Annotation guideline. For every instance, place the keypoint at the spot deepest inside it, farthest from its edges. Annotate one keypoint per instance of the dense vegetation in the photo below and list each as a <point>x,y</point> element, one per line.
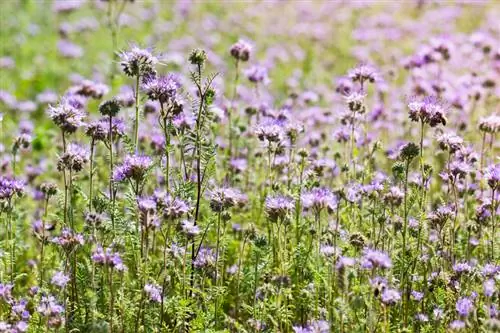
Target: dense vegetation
<point>249,166</point>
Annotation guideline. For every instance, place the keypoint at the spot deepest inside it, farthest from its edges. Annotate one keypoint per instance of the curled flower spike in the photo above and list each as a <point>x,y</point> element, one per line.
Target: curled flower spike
<point>74,158</point>
<point>278,207</point>
<point>162,88</point>
<point>134,167</point>
<point>241,50</point>
<point>429,110</point>
<point>224,198</point>
<point>67,116</point>
<point>138,62</point>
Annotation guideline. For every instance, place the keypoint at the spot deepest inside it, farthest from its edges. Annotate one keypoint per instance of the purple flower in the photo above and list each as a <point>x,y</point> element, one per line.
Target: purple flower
<point>278,206</point>
<point>430,111</point>
<point>53,311</point>
<point>108,257</point>
<point>205,258</point>
<point>241,50</point>
<point>238,165</point>
<point>362,73</point>
<point>224,198</point>
<point>146,205</point>
<point>457,325</point>
<point>68,239</point>
<point>134,167</point>
<point>6,291</point>
<point>450,141</point>
<point>318,199</point>
<point>183,121</point>
<point>75,158</point>
<point>67,116</point>
<point>492,176</point>
<point>464,306</point>
<point>376,259</point>
<point>315,326</point>
<point>10,187</point>
<point>462,267</point>
<point>60,279</point>
<point>138,62</point>
<point>489,287</point>
<point>89,88</point>
<point>257,74</point>
<point>154,292</point>
<point>343,262</point>
<point>68,49</point>
<point>189,228</point>
<point>390,296</point>
<point>270,130</point>
<point>416,295</point>
<point>172,208</point>
<point>162,88</point>
<point>490,124</point>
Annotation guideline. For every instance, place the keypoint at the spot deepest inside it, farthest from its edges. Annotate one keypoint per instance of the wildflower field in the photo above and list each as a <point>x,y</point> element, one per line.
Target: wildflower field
<point>249,166</point>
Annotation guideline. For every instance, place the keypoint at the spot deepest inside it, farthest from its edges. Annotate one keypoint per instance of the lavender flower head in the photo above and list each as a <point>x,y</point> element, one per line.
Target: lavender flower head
<point>492,176</point>
<point>53,311</point>
<point>60,279</point>
<point>376,259</point>
<point>241,50</point>
<point>390,296</point>
<point>10,187</point>
<point>74,159</point>
<point>257,74</point>
<point>278,207</point>
<point>362,73</point>
<point>464,306</point>
<point>171,208</point>
<point>429,110</point>
<point>66,116</point>
<point>108,257</point>
<point>138,62</point>
<point>315,326</point>
<point>154,292</point>
<point>162,88</point>
<point>224,198</point>
<point>134,167</point>
<point>318,199</point>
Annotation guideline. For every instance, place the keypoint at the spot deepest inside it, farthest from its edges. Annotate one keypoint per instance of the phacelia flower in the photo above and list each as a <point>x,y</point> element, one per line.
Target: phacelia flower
<point>464,306</point>
<point>490,124</point>
<point>66,116</point>
<point>224,198</point>
<point>134,167</point>
<point>376,259</point>
<point>108,257</point>
<point>430,111</point>
<point>241,50</point>
<point>10,187</point>
<point>60,279</point>
<point>154,292</point>
<point>74,158</point>
<point>138,62</point>
<point>492,176</point>
<point>277,207</point>
<point>162,88</point>
<point>257,74</point>
<point>390,296</point>
<point>318,199</point>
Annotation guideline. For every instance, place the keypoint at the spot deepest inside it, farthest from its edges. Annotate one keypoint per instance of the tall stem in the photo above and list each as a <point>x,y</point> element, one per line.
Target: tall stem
<point>232,109</point>
<point>91,174</point>
<point>111,183</point>
<point>217,269</point>
<point>136,134</point>
<point>65,182</point>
